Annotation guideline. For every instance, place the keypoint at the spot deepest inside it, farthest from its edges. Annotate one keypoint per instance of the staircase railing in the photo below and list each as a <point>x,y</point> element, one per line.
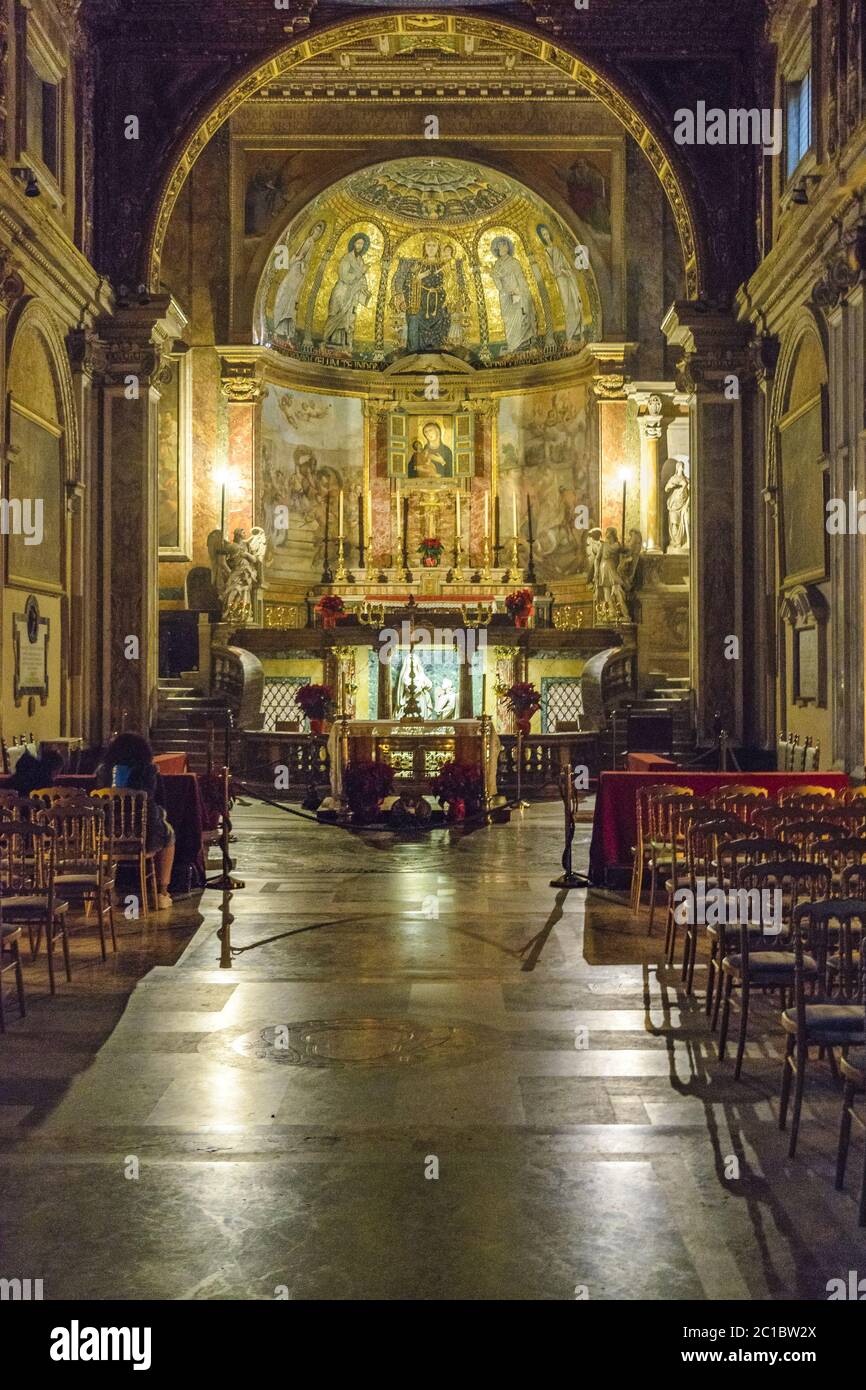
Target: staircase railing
<point>238,676</point>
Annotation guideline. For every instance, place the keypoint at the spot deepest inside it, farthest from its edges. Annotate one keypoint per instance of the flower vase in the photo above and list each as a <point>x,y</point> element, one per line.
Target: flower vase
<point>329,620</point>
<point>524,723</point>
<point>521,620</point>
<point>317,726</point>
<point>430,562</point>
<point>457,809</point>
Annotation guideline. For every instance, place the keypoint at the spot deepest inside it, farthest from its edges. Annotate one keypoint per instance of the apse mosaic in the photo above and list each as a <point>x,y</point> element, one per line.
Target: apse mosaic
<point>428,256</point>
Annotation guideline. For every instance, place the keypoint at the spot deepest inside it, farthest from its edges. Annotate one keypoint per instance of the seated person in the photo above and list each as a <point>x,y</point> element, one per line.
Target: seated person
<point>128,762</point>
<point>33,773</point>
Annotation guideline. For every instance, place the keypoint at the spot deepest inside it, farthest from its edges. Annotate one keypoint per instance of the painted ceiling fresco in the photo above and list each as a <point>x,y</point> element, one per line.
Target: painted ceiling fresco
<point>428,255</point>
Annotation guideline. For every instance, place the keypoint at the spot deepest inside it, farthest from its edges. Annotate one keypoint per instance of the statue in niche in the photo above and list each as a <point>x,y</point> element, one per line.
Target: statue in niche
<point>286,299</point>
<point>351,289</point>
<point>236,566</point>
<point>446,699</point>
<point>515,299</point>
<point>677,493</point>
<point>413,672</point>
<point>565,276</point>
<point>419,292</point>
<point>607,577</point>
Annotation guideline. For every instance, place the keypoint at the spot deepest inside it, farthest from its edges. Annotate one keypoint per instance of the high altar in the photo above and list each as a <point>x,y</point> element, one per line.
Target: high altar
<point>430,419</point>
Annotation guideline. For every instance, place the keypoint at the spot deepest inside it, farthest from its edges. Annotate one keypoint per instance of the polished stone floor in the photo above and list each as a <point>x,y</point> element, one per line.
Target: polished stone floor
<point>426,1075</point>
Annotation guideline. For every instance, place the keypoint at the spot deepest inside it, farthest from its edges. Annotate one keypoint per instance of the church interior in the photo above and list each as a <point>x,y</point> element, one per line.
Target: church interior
<point>433,802</point>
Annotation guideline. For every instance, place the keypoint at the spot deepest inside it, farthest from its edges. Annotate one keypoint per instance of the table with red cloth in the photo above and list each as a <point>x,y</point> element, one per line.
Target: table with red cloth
<point>614,824</point>
<point>183,809</point>
<point>170,763</point>
<point>648,762</point>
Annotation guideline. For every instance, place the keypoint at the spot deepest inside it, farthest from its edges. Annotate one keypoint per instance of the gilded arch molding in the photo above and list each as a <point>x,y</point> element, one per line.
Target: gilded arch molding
<point>33,317</point>
<point>649,138</point>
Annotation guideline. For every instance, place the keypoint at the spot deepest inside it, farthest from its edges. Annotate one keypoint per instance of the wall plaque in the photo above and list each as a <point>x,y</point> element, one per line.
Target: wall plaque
<point>31,653</point>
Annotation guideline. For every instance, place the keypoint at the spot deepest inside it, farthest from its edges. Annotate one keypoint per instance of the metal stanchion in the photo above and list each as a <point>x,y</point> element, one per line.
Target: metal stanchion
<point>224,880</point>
<point>570,801</point>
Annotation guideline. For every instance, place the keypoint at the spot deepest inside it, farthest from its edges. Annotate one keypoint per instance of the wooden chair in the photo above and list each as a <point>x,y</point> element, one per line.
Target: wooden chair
<point>805,792</point>
<point>46,797</point>
<point>645,850</point>
<point>816,1019</point>
<point>853,1068</point>
<point>841,852</point>
<point>27,858</point>
<point>83,859</point>
<point>744,802</point>
<point>10,959</point>
<point>806,835</point>
<point>769,817</point>
<point>764,959</point>
<point>668,824</point>
<point>15,807</point>
<point>126,821</point>
<point>734,855</point>
<point>705,833</point>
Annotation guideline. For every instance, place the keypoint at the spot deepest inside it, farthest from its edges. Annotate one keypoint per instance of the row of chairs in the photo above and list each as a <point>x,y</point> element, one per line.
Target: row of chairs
<point>792,876</point>
<point>794,756</point>
<point>60,849</point>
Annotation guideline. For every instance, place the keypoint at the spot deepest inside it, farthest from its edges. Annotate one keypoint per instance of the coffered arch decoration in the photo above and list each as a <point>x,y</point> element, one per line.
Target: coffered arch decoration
<point>627,109</point>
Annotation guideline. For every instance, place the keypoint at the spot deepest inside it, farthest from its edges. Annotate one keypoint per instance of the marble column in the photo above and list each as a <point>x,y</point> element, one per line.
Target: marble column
<point>87,718</point>
<point>136,339</point>
<point>713,349</point>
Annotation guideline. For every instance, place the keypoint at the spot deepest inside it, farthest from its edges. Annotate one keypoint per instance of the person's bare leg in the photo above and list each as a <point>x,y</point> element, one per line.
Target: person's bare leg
<point>164,864</point>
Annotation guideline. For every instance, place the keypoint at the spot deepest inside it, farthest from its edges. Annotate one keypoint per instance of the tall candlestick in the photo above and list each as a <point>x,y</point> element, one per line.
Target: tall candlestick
<point>486,515</point>
<point>360,528</point>
<point>496,543</point>
<point>483,692</point>
<point>514,512</point>
<point>529,519</point>
<point>327,516</point>
<point>405,527</point>
<point>340,530</point>
<point>458,527</point>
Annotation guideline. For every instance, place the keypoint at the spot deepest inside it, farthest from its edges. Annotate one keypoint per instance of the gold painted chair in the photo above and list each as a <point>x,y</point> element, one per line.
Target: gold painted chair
<point>29,899</point>
<point>661,813</point>
<point>126,821</point>
<point>644,850</point>
<point>15,807</point>
<point>734,855</point>
<point>46,797</point>
<point>83,858</point>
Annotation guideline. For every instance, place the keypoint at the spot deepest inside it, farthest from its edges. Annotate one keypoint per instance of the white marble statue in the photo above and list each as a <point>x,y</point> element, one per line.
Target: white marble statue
<point>607,579</point>
<point>515,299</point>
<point>236,568</point>
<point>423,687</point>
<point>677,494</point>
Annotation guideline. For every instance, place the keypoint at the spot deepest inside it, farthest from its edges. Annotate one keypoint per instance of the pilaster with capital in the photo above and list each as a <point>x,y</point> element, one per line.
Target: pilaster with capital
<point>244,390</point>
<point>712,363</point>
<point>136,340</point>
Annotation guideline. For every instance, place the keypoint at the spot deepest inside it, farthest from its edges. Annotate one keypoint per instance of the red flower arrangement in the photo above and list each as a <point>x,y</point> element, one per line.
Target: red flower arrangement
<point>520,606</point>
<point>316,701</point>
<point>430,551</point>
<point>330,608</point>
<point>461,786</point>
<point>365,784</point>
<point>523,700</point>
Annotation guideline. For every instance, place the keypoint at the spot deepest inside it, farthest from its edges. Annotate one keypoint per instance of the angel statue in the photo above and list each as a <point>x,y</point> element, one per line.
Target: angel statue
<point>606,578</point>
<point>236,568</point>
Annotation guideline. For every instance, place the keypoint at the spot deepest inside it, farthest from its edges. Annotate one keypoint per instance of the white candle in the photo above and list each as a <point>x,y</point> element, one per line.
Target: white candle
<point>340,532</point>
<point>483,691</point>
<point>459,528</point>
<point>514,512</point>
<point>486,515</point>
<point>369,522</point>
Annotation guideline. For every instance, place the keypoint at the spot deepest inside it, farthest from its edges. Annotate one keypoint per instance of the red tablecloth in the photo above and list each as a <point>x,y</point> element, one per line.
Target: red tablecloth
<point>183,808</point>
<point>648,762</point>
<point>614,825</point>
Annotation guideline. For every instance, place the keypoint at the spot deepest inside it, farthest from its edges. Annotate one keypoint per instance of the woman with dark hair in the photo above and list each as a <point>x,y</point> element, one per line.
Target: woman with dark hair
<point>128,762</point>
<point>33,773</point>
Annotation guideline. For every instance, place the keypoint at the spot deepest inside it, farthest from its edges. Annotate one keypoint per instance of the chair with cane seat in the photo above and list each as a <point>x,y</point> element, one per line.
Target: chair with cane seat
<point>27,859</point>
<point>764,959</point>
<point>126,825</point>
<point>816,1019</point>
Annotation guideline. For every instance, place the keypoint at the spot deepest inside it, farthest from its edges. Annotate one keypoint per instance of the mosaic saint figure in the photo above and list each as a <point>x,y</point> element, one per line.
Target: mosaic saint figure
<point>565,276</point>
<point>351,289</point>
<point>515,299</point>
<point>419,292</point>
<point>286,299</point>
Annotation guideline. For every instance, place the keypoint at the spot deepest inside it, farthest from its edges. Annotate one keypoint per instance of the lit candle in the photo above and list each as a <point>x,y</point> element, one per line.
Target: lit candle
<point>340,531</point>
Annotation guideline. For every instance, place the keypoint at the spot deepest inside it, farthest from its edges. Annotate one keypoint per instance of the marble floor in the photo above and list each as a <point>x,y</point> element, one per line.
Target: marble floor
<point>426,1075</point>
